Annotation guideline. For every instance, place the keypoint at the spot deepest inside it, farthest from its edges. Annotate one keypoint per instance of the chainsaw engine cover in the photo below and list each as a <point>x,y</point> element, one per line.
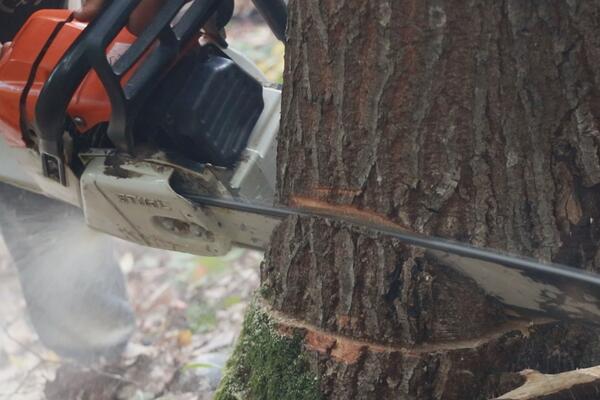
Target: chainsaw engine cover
<point>29,60</point>
<point>205,108</point>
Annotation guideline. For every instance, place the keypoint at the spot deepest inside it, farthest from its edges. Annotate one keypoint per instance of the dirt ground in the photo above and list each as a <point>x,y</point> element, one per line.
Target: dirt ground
<point>189,309</point>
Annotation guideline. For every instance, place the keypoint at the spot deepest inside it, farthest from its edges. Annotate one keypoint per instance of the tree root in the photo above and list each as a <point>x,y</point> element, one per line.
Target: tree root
<point>580,384</point>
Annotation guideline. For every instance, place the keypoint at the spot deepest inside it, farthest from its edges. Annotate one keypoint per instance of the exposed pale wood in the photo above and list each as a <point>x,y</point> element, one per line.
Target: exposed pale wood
<point>581,384</point>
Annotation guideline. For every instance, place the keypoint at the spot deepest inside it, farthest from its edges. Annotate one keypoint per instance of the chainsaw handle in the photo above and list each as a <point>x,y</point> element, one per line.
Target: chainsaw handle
<point>88,52</point>
<point>275,14</point>
<point>66,77</point>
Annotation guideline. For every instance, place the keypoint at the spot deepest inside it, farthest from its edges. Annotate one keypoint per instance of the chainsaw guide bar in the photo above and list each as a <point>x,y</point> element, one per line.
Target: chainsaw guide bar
<point>528,285</point>
<point>171,142</point>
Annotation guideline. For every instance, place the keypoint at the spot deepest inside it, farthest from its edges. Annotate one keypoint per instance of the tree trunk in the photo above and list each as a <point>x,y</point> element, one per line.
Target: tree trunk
<point>472,120</point>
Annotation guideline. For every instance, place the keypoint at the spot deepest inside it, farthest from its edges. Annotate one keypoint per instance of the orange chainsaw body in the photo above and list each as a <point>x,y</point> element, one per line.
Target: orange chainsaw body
<point>90,102</point>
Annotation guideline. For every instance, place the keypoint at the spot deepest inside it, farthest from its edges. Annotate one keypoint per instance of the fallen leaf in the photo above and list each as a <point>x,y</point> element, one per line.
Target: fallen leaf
<point>184,338</point>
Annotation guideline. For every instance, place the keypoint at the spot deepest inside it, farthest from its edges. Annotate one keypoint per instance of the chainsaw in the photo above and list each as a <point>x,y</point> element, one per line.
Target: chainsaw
<point>168,140</point>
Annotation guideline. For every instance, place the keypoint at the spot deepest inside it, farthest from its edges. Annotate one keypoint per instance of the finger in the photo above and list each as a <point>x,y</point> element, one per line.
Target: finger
<point>90,9</point>
<point>143,14</point>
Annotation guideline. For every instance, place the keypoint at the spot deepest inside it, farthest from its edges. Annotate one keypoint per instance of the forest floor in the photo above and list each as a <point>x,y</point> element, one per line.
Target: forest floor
<point>189,312</point>
<point>189,309</point>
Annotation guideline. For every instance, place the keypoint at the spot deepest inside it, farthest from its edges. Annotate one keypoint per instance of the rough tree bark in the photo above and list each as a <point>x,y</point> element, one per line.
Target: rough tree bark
<point>473,120</point>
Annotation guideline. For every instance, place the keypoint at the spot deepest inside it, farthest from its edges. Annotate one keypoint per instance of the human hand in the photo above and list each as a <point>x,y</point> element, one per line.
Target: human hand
<point>3,48</point>
<point>138,20</point>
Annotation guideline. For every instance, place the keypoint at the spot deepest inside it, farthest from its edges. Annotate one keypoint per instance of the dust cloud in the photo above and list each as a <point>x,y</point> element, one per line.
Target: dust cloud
<point>70,279</point>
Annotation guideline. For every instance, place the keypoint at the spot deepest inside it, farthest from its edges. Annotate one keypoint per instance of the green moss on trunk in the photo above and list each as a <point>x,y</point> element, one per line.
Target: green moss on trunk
<point>267,365</point>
